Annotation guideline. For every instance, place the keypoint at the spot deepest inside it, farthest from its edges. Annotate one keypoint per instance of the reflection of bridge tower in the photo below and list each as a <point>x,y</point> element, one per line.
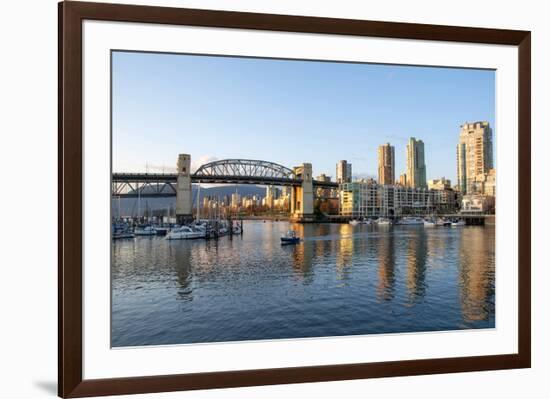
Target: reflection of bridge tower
<point>301,197</point>
<point>184,198</point>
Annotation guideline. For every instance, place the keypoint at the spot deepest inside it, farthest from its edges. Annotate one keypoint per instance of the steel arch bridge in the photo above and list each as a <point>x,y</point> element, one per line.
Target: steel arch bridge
<point>226,171</point>
<point>245,171</point>
<point>244,168</point>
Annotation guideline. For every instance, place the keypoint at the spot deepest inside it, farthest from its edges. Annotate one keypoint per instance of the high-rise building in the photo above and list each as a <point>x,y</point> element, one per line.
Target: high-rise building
<point>403,180</point>
<point>474,155</point>
<point>416,167</point>
<point>386,164</point>
<point>343,172</point>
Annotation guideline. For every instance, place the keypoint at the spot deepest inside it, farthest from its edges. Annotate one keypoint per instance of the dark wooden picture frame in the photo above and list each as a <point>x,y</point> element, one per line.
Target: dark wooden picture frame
<point>70,246</point>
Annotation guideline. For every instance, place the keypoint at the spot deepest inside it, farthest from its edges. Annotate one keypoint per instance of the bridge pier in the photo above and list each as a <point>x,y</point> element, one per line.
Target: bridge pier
<point>301,197</point>
<point>184,197</point>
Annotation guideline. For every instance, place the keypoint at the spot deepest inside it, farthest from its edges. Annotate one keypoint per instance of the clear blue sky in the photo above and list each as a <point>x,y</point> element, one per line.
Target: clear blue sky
<point>289,112</point>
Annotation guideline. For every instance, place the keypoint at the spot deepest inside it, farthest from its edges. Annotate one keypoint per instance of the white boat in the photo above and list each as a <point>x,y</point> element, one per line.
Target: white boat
<point>354,222</point>
<point>185,233</point>
<point>408,220</point>
<point>237,229</point>
<point>384,222</point>
<point>458,223</point>
<point>145,231</point>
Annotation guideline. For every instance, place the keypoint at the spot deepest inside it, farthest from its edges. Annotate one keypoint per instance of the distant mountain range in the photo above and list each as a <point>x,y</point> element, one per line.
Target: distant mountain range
<point>129,206</point>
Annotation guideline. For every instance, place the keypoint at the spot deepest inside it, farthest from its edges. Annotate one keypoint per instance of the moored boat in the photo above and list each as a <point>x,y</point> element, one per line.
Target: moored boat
<point>458,223</point>
<point>185,233</point>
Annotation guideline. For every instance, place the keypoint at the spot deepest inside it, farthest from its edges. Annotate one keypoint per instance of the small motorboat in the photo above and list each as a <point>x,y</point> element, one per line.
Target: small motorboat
<point>457,223</point>
<point>290,238</point>
<point>354,222</point>
<point>185,233</point>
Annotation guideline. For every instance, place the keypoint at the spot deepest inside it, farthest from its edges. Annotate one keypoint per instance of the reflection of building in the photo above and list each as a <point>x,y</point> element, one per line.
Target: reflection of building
<point>386,164</point>
<point>343,172</point>
<point>386,267</point>
<point>476,275</point>
<point>416,167</point>
<point>474,155</point>
<point>416,266</point>
<point>368,199</point>
<point>344,255</point>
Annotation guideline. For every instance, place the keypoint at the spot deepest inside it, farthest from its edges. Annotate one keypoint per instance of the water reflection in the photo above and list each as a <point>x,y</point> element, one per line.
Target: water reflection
<point>416,265</point>
<point>477,275</point>
<point>386,268</point>
<point>340,280</point>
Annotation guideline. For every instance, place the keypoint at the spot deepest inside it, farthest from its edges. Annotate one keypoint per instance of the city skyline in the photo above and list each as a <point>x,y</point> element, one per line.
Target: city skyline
<point>290,112</point>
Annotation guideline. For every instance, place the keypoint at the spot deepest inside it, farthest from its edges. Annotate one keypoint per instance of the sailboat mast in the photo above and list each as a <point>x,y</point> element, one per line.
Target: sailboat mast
<point>199,203</point>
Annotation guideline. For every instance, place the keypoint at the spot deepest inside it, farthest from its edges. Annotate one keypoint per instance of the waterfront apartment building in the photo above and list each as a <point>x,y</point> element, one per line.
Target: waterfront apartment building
<point>367,199</point>
<point>343,172</point>
<point>386,164</point>
<point>416,167</point>
<point>474,155</point>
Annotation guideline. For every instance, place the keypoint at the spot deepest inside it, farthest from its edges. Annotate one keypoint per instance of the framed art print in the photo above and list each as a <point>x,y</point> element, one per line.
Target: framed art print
<point>253,199</point>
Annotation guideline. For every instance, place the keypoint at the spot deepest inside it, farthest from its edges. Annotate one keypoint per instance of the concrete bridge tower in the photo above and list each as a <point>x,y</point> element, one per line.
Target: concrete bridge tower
<point>301,198</point>
<point>184,197</point>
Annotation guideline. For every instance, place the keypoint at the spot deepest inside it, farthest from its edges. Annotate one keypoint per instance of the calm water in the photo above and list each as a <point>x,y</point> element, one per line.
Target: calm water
<point>340,280</point>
